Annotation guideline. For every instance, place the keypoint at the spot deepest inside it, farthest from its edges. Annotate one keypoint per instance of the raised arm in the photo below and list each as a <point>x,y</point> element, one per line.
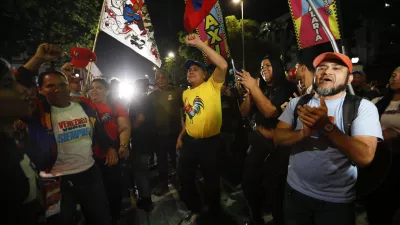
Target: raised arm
<point>263,103</point>
<point>215,58</point>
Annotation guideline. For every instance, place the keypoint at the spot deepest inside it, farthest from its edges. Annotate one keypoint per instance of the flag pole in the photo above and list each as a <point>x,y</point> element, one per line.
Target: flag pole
<point>95,40</point>
<point>330,36</point>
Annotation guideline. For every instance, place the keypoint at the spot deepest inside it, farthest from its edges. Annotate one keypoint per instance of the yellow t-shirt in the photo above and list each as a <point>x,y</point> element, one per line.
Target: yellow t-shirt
<point>203,109</point>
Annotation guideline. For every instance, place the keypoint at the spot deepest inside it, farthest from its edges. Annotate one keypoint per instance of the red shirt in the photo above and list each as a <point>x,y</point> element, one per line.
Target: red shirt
<point>108,114</point>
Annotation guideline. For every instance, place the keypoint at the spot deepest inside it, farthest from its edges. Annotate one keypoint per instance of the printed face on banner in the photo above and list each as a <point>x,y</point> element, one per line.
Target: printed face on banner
<point>129,22</point>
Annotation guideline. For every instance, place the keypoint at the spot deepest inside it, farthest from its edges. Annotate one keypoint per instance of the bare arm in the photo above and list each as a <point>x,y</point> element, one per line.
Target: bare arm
<point>124,130</point>
<point>263,103</point>
<point>285,136</point>
<point>359,149</point>
<point>215,58</point>
<point>218,61</point>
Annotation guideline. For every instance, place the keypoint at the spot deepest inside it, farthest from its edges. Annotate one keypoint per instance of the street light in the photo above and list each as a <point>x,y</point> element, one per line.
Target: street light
<point>355,60</point>
<point>241,6</point>
<point>171,55</point>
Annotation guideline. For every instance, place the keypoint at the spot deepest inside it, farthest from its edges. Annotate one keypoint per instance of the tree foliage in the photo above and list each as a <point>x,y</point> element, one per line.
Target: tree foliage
<point>62,22</point>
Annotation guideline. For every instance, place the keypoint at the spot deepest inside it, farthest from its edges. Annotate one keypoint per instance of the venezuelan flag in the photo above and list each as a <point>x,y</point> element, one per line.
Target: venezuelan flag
<point>196,11</point>
<point>308,30</point>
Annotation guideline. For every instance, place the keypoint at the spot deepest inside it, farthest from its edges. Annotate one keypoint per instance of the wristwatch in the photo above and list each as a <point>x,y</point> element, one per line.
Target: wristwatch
<point>124,146</point>
<point>329,127</point>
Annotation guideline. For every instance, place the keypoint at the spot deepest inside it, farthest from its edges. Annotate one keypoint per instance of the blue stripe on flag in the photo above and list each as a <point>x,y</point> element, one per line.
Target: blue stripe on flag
<point>197,4</point>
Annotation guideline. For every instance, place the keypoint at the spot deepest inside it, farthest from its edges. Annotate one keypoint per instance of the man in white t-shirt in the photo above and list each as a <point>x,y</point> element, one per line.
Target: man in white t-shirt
<point>62,134</point>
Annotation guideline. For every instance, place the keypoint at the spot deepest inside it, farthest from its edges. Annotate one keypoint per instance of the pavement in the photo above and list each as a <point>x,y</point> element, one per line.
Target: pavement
<point>169,210</point>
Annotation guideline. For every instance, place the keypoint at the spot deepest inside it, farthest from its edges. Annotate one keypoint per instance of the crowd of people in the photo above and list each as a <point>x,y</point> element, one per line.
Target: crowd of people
<point>300,147</point>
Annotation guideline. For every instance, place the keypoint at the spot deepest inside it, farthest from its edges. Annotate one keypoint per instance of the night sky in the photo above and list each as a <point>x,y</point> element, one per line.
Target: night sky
<point>115,59</point>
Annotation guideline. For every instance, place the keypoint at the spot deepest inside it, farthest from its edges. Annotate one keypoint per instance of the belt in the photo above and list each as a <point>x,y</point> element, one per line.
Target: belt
<point>192,139</point>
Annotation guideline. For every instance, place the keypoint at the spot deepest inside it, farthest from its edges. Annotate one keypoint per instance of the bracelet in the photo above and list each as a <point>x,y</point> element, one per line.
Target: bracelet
<point>124,145</point>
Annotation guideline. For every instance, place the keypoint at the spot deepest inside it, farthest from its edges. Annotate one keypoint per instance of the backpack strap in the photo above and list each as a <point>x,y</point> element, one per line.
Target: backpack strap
<point>302,101</point>
<point>350,111</point>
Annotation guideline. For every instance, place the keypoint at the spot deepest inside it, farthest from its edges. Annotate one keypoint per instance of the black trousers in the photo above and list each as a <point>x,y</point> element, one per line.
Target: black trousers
<point>112,179</point>
<point>382,204</point>
<point>200,153</point>
<point>165,146</point>
<point>87,189</point>
<point>300,209</point>
<point>264,179</point>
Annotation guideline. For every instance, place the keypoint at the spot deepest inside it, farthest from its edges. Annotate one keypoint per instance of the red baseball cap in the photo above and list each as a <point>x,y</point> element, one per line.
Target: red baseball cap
<point>333,55</point>
<point>81,57</point>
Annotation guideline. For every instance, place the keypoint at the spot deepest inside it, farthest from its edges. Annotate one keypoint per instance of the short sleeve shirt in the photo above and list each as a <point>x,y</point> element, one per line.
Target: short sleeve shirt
<point>318,169</point>
<point>203,109</point>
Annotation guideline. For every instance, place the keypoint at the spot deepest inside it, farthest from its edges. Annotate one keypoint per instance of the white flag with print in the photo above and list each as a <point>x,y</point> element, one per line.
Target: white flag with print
<point>129,22</point>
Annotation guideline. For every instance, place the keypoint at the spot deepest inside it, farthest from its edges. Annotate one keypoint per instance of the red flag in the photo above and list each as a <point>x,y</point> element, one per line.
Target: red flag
<point>195,12</point>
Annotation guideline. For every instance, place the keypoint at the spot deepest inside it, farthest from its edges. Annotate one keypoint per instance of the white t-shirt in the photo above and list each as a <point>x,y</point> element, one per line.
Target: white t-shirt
<point>391,117</point>
<point>72,130</point>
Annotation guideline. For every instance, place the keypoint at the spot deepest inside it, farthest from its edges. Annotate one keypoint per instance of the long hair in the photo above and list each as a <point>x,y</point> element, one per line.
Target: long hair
<point>278,72</point>
<point>384,102</point>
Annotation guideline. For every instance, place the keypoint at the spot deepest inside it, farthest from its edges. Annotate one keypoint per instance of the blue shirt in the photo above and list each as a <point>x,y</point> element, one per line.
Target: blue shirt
<point>316,168</point>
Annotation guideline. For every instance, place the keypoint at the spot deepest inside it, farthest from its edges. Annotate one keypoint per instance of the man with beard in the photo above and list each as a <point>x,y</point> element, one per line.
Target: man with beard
<point>322,172</point>
<point>167,102</point>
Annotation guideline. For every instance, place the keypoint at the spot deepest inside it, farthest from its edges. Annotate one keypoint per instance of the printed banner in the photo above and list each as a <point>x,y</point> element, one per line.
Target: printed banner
<point>129,22</point>
<point>212,32</point>
<point>308,30</point>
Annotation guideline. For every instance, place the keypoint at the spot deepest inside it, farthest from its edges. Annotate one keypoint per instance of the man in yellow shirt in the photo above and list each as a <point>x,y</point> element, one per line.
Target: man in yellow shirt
<point>199,140</point>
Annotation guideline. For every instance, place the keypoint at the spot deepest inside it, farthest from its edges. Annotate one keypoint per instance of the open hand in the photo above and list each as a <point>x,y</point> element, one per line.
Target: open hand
<point>47,52</point>
<point>315,118</point>
<point>193,40</point>
<point>246,80</point>
<point>111,157</point>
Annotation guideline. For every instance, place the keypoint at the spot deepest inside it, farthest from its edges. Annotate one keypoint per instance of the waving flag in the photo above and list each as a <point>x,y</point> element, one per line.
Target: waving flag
<point>212,31</point>
<point>129,22</point>
<point>308,30</point>
<point>195,12</point>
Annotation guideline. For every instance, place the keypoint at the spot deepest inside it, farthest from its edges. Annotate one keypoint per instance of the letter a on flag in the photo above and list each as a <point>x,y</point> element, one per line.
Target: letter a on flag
<point>308,29</point>
<point>196,11</point>
<point>129,22</point>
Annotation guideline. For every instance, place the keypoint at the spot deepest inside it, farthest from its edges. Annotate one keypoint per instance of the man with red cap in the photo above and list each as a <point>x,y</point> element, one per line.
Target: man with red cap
<point>322,172</point>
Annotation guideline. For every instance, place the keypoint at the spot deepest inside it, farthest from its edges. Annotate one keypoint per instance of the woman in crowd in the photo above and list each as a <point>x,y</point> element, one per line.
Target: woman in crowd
<point>385,201</point>
<point>116,122</point>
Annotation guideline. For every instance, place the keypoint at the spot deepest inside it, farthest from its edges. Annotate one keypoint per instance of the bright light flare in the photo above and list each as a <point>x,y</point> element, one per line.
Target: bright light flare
<point>77,75</point>
<point>126,90</point>
<point>236,1</point>
<point>387,5</point>
<point>171,55</point>
<point>355,60</point>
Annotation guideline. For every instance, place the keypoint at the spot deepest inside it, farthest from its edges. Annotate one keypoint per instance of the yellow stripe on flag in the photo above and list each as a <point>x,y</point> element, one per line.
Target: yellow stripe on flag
<point>333,22</point>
